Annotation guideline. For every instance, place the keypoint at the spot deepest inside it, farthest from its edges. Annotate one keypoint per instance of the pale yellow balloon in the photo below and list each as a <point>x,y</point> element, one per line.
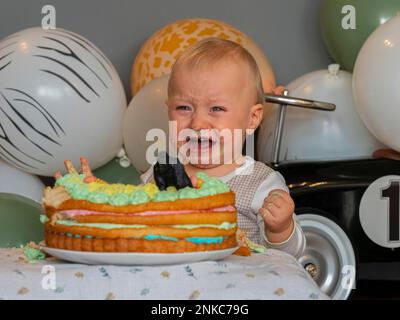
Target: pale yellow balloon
<point>160,51</point>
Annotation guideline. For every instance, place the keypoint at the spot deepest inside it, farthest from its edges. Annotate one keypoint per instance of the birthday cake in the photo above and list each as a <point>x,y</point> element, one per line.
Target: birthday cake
<point>85,213</point>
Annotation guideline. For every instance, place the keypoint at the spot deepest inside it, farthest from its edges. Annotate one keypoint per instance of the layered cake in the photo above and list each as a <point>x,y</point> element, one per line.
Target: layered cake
<point>85,213</point>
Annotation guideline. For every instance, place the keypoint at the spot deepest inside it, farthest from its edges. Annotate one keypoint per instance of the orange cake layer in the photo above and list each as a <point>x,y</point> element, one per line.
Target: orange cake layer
<point>61,241</point>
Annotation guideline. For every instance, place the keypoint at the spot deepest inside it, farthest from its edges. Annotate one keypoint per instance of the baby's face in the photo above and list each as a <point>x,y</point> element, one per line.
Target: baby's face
<point>208,99</point>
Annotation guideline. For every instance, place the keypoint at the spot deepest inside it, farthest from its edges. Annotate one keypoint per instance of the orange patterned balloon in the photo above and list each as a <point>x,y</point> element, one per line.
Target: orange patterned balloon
<point>160,51</point>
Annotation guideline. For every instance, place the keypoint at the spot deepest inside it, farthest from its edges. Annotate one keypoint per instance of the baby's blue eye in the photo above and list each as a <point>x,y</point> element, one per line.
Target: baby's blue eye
<point>185,108</point>
<point>217,108</point>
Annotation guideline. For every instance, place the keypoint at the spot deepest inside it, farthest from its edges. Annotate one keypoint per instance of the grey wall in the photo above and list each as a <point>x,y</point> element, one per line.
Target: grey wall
<point>287,30</point>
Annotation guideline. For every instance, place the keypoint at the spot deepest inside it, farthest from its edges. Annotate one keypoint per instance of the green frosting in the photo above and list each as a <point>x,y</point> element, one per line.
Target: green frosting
<point>69,179</point>
<point>202,175</point>
<point>255,247</point>
<point>224,225</point>
<point>165,196</point>
<point>98,197</point>
<point>139,196</point>
<point>202,193</point>
<point>214,186</point>
<point>32,254</point>
<point>119,199</point>
<point>210,186</point>
<point>79,190</point>
<point>43,218</point>
<point>188,193</point>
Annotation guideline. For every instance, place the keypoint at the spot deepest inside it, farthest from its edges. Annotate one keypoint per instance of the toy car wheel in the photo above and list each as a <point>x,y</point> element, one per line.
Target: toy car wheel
<point>329,256</point>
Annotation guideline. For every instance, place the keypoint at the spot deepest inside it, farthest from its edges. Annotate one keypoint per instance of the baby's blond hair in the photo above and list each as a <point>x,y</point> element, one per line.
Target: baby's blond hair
<point>213,50</point>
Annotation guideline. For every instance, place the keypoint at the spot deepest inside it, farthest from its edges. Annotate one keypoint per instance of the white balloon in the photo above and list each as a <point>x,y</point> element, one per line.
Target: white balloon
<point>18,182</point>
<point>60,98</point>
<point>376,83</point>
<point>311,135</point>
<point>146,111</point>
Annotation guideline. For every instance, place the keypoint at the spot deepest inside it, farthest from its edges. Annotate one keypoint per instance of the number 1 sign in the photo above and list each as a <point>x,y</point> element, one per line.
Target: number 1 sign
<point>380,211</point>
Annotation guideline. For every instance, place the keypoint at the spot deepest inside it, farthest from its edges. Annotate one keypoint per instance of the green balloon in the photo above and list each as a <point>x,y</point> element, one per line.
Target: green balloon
<point>19,221</point>
<point>113,172</point>
<point>344,44</point>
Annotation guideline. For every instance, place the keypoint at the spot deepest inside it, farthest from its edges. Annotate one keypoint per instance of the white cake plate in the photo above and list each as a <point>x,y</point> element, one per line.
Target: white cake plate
<point>134,258</point>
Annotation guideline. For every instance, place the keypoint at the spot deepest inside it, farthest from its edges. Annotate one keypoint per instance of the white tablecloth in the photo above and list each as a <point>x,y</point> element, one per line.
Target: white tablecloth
<point>273,275</point>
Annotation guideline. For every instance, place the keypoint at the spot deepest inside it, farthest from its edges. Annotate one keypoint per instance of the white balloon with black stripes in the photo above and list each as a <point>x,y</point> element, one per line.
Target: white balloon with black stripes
<point>60,98</point>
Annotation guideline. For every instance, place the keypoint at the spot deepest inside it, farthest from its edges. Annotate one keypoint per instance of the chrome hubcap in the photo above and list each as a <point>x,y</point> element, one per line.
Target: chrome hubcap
<point>328,252</point>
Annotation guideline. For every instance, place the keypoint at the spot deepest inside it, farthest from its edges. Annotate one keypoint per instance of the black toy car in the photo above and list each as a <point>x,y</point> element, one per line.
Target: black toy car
<point>327,196</point>
<point>333,190</point>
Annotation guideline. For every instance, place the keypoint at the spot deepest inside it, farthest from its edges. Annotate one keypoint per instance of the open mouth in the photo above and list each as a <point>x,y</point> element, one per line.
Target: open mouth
<point>201,143</point>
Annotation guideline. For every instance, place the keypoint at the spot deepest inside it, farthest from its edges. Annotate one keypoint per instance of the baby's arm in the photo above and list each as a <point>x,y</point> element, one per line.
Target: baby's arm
<point>282,233</point>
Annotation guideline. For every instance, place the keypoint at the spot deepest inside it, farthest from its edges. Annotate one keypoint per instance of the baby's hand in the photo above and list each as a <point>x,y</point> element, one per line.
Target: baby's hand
<point>272,89</point>
<point>278,90</point>
<point>277,212</point>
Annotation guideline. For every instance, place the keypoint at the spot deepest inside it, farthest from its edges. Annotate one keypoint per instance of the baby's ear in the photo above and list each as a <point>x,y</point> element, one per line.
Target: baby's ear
<point>256,115</point>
